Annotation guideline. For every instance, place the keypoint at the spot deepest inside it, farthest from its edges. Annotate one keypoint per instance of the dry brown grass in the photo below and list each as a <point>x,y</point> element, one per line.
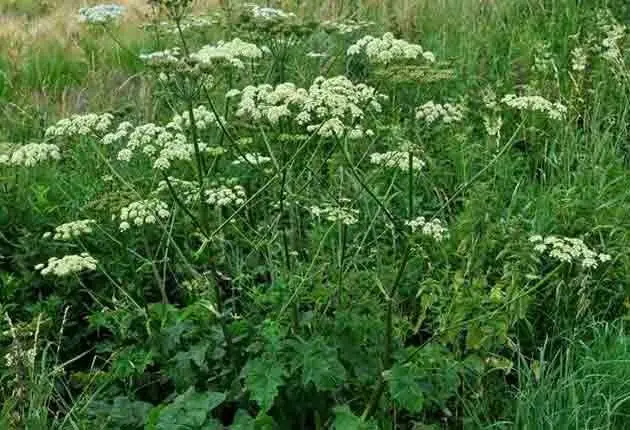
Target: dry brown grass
<point>60,22</point>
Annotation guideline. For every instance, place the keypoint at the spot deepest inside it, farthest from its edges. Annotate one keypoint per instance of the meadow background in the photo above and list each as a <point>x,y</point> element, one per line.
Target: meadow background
<point>310,293</point>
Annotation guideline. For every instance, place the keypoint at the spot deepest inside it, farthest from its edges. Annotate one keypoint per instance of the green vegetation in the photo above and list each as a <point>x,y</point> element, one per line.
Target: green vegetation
<point>360,215</point>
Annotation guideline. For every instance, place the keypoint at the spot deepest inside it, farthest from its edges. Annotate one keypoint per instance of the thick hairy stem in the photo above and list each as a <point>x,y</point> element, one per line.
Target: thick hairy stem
<point>295,314</point>
<point>342,256</point>
<point>388,347</point>
<point>366,188</point>
<point>156,272</point>
<point>181,204</point>
<point>410,185</point>
<point>224,329</point>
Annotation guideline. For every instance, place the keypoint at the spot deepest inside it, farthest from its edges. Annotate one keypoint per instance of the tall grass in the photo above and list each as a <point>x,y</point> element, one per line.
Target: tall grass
<point>585,385</point>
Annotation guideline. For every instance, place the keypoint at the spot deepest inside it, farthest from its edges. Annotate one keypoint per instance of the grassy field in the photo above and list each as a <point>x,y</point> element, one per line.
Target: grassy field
<point>349,214</point>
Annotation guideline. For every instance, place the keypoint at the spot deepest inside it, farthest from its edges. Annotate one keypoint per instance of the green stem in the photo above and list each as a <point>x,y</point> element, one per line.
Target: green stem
<point>410,185</point>
<point>224,329</point>
<point>342,256</point>
<point>156,272</point>
<point>295,312</point>
<point>388,347</point>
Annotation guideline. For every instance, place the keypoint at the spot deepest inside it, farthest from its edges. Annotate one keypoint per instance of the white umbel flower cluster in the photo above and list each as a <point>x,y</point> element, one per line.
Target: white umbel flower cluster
<point>346,26</point>
<point>167,57</point>
<point>234,52</point>
<point>31,154</point>
<point>578,59</point>
<point>157,143</point>
<point>81,125</point>
<point>613,33</point>
<point>268,13</point>
<point>568,250</point>
<point>194,23</point>
<point>330,106</point>
<point>396,159</point>
<point>123,130</point>
<point>187,191</point>
<point>555,111</point>
<point>446,113</point>
<point>142,212</point>
<point>387,49</point>
<point>101,13</point>
<point>225,195</point>
<point>433,228</point>
<point>204,118</point>
<point>335,213</point>
<point>72,230</point>
<point>68,265</point>
<point>252,158</point>
<point>272,104</point>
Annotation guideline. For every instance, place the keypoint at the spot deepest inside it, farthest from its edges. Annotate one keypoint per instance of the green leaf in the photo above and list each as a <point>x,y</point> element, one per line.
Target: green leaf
<point>189,410</point>
<point>345,419</point>
<point>263,377</point>
<point>131,361</point>
<point>405,387</point>
<point>121,412</point>
<point>321,366</point>
<point>212,424</point>
<point>243,421</point>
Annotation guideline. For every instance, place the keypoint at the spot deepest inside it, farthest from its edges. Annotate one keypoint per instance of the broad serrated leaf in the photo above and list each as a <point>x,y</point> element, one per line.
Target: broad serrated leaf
<point>263,377</point>
<point>131,361</point>
<point>122,412</point>
<point>212,424</point>
<point>345,419</point>
<point>321,366</point>
<point>405,387</point>
<point>189,410</point>
<point>243,421</point>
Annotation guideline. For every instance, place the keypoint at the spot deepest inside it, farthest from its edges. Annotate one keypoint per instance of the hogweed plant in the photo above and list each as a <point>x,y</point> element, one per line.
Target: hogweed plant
<point>292,250</point>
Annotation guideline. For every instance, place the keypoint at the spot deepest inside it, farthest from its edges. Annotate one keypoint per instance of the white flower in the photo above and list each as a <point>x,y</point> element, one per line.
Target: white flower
<point>269,13</point>
<point>142,212</point>
<point>225,195</point>
<point>493,125</point>
<point>433,228</point>
<point>396,159</point>
<point>232,52</point>
<point>125,154</point>
<point>73,229</point>
<point>335,213</point>
<point>81,125</point>
<point>387,49</point>
<point>253,158</point>
<point>446,113</point>
<point>68,265</point>
<point>123,130</point>
<point>330,106</point>
<point>313,54</point>
<point>578,59</point>
<point>167,57</point>
<point>32,154</point>
<point>101,14</point>
<point>187,191</point>
<point>568,250</point>
<point>345,27</point>
<point>204,118</point>
<point>166,144</point>
<point>555,111</point>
